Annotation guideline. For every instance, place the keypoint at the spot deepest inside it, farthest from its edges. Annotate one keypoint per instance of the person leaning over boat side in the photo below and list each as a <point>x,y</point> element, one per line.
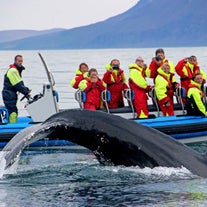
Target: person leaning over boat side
<point>165,86</point>
<point>138,84</point>
<point>92,86</point>
<point>186,69</point>
<point>115,80</point>
<point>195,105</point>
<point>81,73</point>
<point>157,61</point>
<point>13,83</point>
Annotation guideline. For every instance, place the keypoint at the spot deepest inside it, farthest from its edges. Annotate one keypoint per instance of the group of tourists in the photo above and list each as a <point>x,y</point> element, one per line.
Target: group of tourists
<point>161,70</point>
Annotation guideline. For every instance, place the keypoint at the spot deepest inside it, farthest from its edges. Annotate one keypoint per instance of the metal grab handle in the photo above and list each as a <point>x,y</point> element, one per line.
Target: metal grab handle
<point>178,94</point>
<point>127,93</point>
<point>104,98</point>
<point>78,98</point>
<point>152,95</point>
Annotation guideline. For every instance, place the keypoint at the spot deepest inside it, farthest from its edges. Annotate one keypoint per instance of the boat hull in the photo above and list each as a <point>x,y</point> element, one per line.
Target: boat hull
<point>186,129</point>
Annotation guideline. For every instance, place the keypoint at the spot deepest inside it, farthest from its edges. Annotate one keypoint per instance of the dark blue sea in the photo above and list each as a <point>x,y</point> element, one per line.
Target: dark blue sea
<point>71,176</point>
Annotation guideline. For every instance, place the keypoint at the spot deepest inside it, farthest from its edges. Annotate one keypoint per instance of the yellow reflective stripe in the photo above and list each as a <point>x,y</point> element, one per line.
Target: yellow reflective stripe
<point>83,85</point>
<point>72,82</point>
<point>172,67</point>
<point>136,77</point>
<point>147,72</point>
<point>142,115</point>
<point>160,87</point>
<point>13,76</point>
<point>203,74</point>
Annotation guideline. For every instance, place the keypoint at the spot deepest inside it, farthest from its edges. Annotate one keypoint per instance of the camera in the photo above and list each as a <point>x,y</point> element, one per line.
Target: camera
<point>115,67</point>
<point>158,58</point>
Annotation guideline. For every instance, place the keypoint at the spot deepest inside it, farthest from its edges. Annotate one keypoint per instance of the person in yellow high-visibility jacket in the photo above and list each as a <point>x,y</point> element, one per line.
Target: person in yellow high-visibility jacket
<point>186,69</point>
<point>195,104</point>
<point>165,86</point>
<point>13,83</point>
<point>81,73</point>
<point>138,84</point>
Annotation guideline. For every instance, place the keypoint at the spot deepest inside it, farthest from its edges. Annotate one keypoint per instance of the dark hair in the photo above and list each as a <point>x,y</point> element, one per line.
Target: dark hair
<point>192,58</point>
<point>82,65</point>
<point>15,58</point>
<point>92,70</point>
<point>114,60</point>
<point>158,58</point>
<point>194,76</point>
<point>160,50</point>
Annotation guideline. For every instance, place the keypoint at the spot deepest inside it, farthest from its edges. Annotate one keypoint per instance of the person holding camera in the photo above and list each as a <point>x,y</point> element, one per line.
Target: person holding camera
<point>187,68</point>
<point>138,83</point>
<point>165,85</point>
<point>115,80</point>
<point>157,61</point>
<point>92,86</point>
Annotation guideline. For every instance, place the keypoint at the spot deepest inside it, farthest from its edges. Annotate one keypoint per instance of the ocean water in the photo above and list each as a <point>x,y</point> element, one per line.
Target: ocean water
<point>72,176</point>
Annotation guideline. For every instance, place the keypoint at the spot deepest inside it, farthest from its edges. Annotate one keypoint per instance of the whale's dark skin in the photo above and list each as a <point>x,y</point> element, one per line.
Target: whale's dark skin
<point>113,139</point>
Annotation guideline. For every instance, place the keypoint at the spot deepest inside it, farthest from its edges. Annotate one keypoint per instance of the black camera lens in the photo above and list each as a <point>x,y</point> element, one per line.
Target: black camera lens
<point>158,58</point>
<point>115,67</point>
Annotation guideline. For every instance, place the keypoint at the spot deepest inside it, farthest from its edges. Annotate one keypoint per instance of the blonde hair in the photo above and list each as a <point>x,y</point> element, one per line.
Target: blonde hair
<point>165,65</point>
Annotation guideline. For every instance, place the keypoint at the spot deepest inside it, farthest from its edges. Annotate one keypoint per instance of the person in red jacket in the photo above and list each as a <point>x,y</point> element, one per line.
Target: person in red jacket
<point>81,73</point>
<point>139,85</point>
<point>187,68</point>
<point>157,61</point>
<point>92,86</point>
<point>115,79</point>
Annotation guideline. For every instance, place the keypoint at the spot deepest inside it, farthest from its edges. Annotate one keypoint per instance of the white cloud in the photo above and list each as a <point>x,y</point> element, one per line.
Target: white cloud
<point>47,14</point>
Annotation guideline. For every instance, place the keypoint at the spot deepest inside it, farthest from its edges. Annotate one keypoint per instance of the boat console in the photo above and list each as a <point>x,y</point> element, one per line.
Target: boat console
<point>43,105</point>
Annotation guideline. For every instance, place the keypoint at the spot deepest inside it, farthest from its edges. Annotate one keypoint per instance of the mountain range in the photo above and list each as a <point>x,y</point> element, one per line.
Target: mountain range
<point>150,23</point>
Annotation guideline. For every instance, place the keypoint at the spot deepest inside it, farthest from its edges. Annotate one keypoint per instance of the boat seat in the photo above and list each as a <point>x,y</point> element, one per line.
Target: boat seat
<point>4,115</point>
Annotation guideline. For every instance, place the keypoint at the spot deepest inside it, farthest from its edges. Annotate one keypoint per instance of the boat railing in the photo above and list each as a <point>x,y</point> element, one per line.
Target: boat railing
<point>128,94</point>
<point>79,98</point>
<point>152,95</point>
<point>179,94</point>
<point>204,89</point>
<point>105,97</point>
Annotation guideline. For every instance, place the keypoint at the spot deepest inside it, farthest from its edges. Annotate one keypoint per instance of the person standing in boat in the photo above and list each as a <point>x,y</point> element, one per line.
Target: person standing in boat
<point>81,73</point>
<point>195,104</point>
<point>165,86</point>
<point>115,80</point>
<point>13,83</point>
<point>138,83</point>
<point>158,61</point>
<point>186,69</point>
<point>92,86</point>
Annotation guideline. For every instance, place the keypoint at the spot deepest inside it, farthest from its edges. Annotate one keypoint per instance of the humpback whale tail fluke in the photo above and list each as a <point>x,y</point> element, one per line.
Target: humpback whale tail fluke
<point>113,139</point>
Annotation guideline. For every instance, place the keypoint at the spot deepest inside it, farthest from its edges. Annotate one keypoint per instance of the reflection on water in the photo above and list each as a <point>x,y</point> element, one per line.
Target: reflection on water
<point>64,178</point>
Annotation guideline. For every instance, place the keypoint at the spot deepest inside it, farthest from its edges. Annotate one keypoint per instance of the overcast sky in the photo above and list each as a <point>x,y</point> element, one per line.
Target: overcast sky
<point>47,14</point>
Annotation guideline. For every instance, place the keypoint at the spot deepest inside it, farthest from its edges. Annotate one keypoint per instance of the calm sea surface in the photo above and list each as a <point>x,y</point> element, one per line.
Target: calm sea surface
<point>73,177</point>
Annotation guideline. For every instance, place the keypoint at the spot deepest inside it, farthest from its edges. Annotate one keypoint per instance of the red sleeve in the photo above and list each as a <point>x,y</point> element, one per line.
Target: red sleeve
<point>78,79</point>
<point>153,69</point>
<point>89,86</point>
<point>100,85</point>
<point>179,68</point>
<point>107,77</point>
